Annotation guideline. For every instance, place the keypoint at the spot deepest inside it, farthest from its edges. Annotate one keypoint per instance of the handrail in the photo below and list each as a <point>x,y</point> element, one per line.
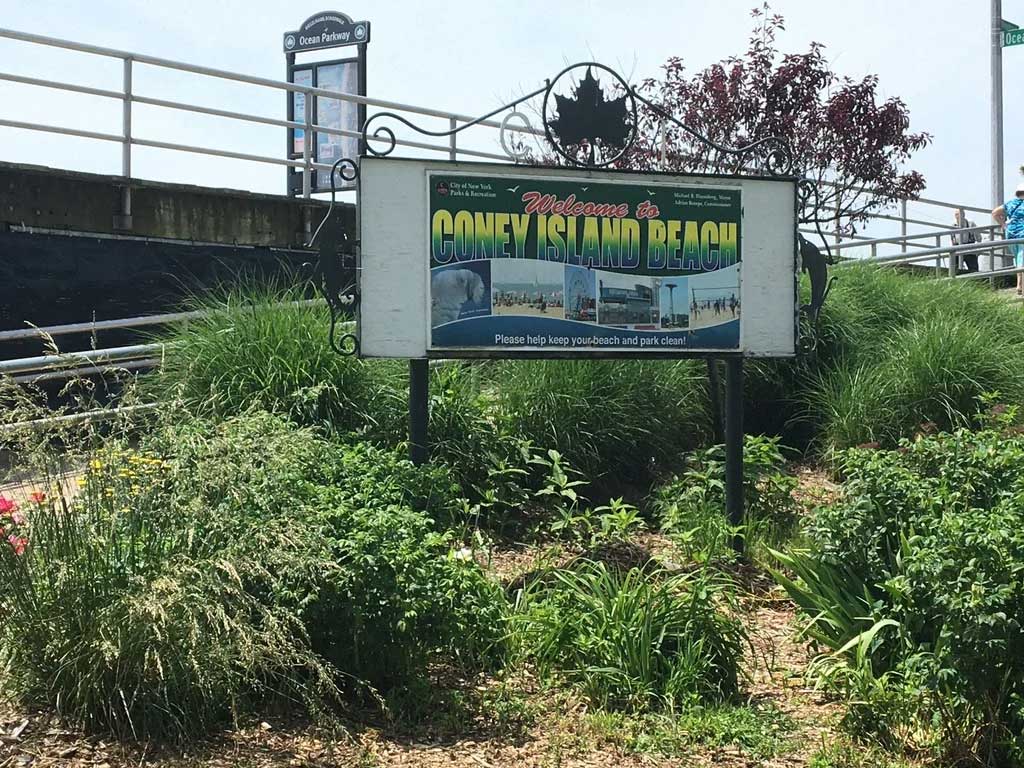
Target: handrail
<point>138,321</point>
<point>940,251</point>
<point>919,236</point>
<point>224,74</point>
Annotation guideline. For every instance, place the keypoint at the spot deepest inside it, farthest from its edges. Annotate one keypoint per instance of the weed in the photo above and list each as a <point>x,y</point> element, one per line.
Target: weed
<point>759,732</point>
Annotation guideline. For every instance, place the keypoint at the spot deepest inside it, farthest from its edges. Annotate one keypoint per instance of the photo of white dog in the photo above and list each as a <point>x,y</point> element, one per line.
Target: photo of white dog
<point>451,290</point>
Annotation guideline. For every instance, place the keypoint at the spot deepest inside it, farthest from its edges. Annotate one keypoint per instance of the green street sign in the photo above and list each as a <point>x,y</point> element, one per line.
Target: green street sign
<point>1013,37</point>
<point>1008,25</point>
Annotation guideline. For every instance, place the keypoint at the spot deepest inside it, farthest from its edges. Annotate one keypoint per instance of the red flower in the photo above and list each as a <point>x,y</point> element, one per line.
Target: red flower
<point>18,544</point>
<point>37,496</point>
<point>7,506</point>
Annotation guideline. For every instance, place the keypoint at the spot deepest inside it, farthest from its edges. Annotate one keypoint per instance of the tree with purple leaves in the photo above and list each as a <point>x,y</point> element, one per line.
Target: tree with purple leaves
<point>842,136</point>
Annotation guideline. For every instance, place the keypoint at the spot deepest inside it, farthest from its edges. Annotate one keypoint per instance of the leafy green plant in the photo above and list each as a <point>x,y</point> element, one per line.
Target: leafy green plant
<point>913,584</point>
<point>633,640</point>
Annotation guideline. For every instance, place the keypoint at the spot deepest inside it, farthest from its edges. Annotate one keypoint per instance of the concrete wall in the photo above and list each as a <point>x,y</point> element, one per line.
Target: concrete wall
<point>33,196</point>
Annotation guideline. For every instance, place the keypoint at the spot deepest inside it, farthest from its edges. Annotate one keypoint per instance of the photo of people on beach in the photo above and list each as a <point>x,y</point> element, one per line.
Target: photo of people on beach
<point>714,297</point>
<point>527,287</point>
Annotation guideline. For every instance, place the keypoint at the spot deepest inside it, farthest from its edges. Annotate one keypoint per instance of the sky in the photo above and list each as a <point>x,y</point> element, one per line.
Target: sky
<point>470,56</point>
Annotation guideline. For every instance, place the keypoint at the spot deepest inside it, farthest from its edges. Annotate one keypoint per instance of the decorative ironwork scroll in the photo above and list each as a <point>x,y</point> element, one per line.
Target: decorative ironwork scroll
<point>334,275</point>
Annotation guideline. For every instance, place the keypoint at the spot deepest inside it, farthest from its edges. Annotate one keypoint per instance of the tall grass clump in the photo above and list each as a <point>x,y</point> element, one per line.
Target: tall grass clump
<point>896,351</point>
<point>636,639</point>
<point>261,347</point>
<point>117,615</point>
<point>607,417</point>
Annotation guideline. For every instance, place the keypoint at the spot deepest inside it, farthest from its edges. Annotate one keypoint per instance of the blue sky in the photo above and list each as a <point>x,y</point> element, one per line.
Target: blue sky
<point>471,56</point>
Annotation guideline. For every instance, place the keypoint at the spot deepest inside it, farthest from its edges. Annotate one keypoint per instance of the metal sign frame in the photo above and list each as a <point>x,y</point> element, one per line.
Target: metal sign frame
<point>594,129</point>
<point>400,313</point>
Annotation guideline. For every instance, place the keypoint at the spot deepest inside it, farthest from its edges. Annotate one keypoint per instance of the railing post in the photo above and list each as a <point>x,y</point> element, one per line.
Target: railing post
<point>452,152</point>
<point>307,148</point>
<point>992,237</point>
<point>124,219</point>
<point>874,251</point>
<point>953,262</point>
<point>838,236</point>
<point>938,259</point>
<point>902,231</point>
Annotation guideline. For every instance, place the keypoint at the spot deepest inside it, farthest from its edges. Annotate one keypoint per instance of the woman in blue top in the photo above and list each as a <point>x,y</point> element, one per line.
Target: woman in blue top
<point>1011,213</point>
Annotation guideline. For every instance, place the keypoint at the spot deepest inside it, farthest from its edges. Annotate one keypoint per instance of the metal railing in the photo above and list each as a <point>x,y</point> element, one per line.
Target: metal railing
<point>97,360</point>
<point>129,96</point>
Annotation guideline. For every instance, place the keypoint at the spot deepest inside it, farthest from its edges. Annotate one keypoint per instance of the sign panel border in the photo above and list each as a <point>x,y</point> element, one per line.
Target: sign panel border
<point>416,173</point>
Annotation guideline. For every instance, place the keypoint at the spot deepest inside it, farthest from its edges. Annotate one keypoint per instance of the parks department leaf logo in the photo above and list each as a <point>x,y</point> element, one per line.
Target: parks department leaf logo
<point>588,116</point>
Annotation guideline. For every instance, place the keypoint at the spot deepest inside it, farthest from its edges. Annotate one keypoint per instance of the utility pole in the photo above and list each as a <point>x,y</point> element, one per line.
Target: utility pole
<point>996,35</point>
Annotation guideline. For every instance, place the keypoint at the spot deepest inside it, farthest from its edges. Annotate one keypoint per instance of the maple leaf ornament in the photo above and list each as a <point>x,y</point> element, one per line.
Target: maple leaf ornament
<point>588,117</point>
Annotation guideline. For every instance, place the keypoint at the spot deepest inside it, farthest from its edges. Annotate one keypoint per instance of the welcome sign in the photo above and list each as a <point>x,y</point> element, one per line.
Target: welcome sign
<point>465,260</point>
<point>581,264</point>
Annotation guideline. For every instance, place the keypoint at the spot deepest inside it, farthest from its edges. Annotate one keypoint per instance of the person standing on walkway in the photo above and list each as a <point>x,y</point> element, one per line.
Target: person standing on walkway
<point>1011,213</point>
<point>959,237</point>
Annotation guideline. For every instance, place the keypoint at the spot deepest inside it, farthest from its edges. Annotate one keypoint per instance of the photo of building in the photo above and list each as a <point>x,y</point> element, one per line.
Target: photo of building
<point>627,300</point>
<point>675,309</point>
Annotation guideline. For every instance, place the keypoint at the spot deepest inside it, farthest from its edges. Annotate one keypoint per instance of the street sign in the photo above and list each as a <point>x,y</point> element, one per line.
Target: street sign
<point>327,30</point>
<point>1012,34</point>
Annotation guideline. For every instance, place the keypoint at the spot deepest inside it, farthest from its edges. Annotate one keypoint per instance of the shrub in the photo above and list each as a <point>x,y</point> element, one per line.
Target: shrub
<point>225,563</point>
<point>914,581</point>
<point>633,639</point>
<point>259,347</point>
<point>391,591</point>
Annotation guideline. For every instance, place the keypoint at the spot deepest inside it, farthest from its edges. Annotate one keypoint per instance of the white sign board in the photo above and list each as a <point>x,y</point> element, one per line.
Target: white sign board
<point>481,260</point>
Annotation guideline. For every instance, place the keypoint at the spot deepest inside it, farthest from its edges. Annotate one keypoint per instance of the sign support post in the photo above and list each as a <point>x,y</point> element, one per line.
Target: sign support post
<point>734,446</point>
<point>419,414</point>
<point>715,400</point>
<point>997,108</point>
